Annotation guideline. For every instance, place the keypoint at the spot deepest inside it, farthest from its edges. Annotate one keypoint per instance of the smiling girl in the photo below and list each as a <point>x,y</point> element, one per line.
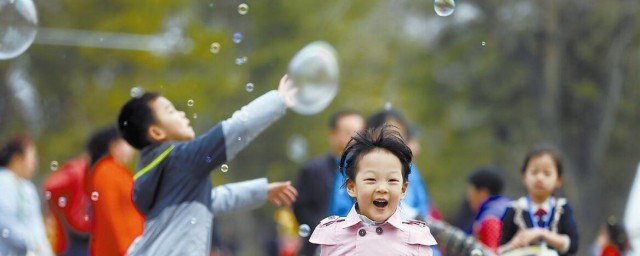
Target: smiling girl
<point>376,164</point>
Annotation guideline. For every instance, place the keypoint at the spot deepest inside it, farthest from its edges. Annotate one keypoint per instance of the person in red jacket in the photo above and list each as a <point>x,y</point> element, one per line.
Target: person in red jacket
<point>67,200</point>
<point>115,220</point>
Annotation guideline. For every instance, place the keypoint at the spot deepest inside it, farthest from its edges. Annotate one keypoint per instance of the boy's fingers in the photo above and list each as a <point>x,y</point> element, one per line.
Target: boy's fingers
<point>287,201</point>
<point>291,194</point>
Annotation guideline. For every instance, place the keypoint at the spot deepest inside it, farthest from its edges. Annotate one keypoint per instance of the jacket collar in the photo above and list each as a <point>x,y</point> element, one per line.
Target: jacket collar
<point>353,218</point>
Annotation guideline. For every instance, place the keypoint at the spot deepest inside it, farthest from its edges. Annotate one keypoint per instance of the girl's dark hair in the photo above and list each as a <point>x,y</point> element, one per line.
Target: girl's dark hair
<point>135,118</point>
<point>557,159</point>
<point>99,142</point>
<point>385,137</point>
<point>13,147</point>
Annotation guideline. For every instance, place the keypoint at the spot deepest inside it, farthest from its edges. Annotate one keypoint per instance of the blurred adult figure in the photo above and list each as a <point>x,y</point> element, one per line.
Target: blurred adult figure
<point>631,220</point>
<point>67,200</point>
<point>315,178</point>
<point>115,221</point>
<point>484,194</point>
<point>22,230</point>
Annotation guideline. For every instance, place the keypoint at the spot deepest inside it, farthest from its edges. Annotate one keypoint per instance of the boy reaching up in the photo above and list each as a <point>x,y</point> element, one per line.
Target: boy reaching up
<point>173,188</point>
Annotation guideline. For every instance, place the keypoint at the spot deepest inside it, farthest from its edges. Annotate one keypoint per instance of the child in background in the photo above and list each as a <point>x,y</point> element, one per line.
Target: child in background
<point>376,164</point>
<point>173,188</point>
<point>539,217</point>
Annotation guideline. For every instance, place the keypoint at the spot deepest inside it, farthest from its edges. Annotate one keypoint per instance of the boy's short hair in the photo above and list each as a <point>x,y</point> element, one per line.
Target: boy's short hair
<point>17,145</point>
<point>135,118</point>
<point>544,150</point>
<point>99,142</point>
<point>384,137</point>
<point>381,117</point>
<point>335,117</point>
<point>487,178</point>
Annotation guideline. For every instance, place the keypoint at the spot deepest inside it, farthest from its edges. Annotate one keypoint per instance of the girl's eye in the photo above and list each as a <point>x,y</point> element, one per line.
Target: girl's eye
<point>393,180</point>
<point>370,179</point>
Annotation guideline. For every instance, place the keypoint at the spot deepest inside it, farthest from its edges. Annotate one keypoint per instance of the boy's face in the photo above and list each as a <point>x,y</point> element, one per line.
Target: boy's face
<point>476,196</point>
<point>541,177</point>
<point>378,186</point>
<point>171,124</point>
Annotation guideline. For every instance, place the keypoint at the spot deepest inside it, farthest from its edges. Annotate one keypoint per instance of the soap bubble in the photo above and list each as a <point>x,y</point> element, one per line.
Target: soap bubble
<point>94,196</point>
<point>18,27</point>
<point>190,103</point>
<point>5,233</point>
<point>136,92</point>
<point>243,8</point>
<point>62,202</point>
<point>237,37</point>
<point>297,148</point>
<point>224,168</point>
<point>304,230</point>
<point>249,87</point>
<point>444,7</point>
<point>215,47</point>
<point>54,165</point>
<point>314,72</point>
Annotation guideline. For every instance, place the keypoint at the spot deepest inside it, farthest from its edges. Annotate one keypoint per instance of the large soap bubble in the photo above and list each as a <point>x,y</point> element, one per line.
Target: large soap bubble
<point>314,72</point>
<point>18,27</point>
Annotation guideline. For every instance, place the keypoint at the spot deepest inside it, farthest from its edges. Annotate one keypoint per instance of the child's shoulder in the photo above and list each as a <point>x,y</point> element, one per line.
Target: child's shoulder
<point>330,221</point>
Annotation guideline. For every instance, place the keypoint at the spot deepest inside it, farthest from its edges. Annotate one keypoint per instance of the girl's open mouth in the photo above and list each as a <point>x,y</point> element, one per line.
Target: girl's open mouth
<point>380,203</point>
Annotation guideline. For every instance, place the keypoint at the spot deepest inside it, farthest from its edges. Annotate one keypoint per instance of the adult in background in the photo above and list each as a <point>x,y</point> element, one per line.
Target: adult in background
<point>22,230</point>
<point>315,178</point>
<point>484,194</point>
<point>115,221</point>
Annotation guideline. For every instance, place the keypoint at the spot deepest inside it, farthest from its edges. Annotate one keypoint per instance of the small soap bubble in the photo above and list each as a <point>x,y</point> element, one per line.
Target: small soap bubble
<point>215,47</point>
<point>208,159</point>
<point>237,37</point>
<point>224,168</point>
<point>484,43</point>
<point>388,106</point>
<point>239,138</point>
<point>5,233</point>
<point>210,4</point>
<point>125,123</point>
<point>62,202</point>
<point>193,221</point>
<point>243,8</point>
<point>136,92</point>
<point>94,196</point>
<point>190,103</point>
<point>249,87</point>
<point>86,217</point>
<point>195,116</point>
<point>476,252</point>
<point>304,230</point>
<point>54,165</point>
<point>444,7</point>
<point>244,115</point>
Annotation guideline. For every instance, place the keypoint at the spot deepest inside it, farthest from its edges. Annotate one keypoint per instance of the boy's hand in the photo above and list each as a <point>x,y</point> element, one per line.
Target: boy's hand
<point>287,91</point>
<point>281,193</point>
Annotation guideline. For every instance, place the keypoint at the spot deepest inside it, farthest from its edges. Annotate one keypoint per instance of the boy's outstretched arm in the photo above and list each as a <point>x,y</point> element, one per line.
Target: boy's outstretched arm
<point>251,194</point>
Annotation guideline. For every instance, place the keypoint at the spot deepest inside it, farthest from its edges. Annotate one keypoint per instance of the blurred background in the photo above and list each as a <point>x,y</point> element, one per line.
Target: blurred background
<point>483,85</point>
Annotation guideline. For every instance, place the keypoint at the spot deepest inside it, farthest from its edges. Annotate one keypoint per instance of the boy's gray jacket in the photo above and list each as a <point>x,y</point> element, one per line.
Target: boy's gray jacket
<point>173,188</point>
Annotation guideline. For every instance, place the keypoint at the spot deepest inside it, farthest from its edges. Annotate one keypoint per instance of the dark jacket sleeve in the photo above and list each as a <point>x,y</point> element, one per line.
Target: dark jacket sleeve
<point>568,226</point>
<point>509,228</point>
<point>305,206</point>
